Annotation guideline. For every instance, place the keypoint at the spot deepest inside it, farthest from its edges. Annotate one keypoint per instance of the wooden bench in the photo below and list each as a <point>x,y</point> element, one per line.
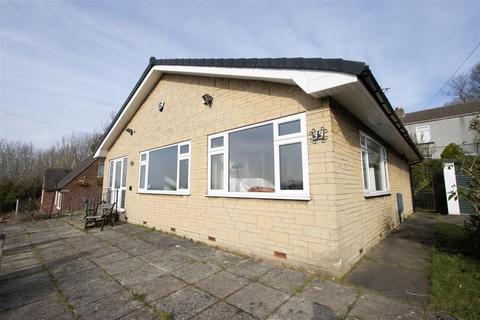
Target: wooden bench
<point>102,213</point>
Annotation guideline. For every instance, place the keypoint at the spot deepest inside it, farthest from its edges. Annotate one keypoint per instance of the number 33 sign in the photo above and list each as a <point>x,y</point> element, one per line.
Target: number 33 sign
<point>318,135</point>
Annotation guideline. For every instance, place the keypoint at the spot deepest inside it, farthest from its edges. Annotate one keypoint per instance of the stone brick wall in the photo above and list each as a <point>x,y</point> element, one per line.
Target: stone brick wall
<point>363,221</point>
<point>48,202</point>
<point>311,233</point>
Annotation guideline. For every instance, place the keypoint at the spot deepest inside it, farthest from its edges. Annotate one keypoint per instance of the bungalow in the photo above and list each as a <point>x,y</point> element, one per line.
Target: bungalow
<point>297,160</point>
<point>49,197</point>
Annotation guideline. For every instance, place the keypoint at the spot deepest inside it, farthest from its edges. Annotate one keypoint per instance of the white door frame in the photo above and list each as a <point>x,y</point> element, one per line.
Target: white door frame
<point>121,184</point>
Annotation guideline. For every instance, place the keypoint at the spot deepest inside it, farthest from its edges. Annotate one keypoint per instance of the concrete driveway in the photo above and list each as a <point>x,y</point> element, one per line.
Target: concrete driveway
<point>54,270</point>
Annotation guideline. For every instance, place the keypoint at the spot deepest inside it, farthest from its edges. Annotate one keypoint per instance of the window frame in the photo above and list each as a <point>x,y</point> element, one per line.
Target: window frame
<point>180,156</point>
<point>298,137</point>
<point>58,200</point>
<point>423,128</point>
<point>384,167</point>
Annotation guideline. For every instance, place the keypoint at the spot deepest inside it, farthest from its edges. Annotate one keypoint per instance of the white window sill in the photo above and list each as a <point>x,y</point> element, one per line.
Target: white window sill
<point>376,194</point>
<point>259,196</point>
<point>173,193</point>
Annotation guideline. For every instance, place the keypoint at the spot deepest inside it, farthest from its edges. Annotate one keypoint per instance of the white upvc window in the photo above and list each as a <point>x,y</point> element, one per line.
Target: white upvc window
<point>266,160</point>
<point>374,166</point>
<point>165,170</point>
<point>58,200</point>
<point>423,134</point>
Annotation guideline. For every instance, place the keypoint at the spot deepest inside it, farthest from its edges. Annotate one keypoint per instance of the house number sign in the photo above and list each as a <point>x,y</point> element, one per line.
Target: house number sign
<point>318,135</point>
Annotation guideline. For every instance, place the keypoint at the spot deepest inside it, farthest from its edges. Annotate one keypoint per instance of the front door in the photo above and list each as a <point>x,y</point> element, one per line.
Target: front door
<point>117,183</point>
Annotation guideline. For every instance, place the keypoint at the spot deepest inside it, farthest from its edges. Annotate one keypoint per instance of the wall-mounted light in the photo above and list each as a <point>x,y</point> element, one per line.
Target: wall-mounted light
<point>161,105</point>
<point>207,100</point>
<point>130,131</point>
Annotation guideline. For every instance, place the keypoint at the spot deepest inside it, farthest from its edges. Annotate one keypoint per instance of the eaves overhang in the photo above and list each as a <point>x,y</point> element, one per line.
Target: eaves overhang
<point>316,77</point>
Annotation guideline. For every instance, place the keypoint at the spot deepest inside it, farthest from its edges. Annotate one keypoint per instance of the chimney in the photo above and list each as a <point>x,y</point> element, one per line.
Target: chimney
<point>400,112</point>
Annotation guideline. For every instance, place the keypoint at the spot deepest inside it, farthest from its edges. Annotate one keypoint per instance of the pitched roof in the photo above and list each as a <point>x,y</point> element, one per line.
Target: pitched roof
<point>303,72</point>
<point>52,178</point>
<point>442,112</point>
<point>76,171</point>
<point>337,65</point>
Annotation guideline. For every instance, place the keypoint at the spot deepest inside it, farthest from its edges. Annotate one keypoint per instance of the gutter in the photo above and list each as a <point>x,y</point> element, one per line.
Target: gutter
<point>367,79</point>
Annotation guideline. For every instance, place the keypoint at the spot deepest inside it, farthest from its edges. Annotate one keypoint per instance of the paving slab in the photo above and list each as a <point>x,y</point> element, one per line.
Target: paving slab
<point>414,285</point>
<point>158,287</point>
<point>110,307</point>
<point>91,292</point>
<point>172,262</point>
<point>225,311</point>
<point>143,313</point>
<point>222,284</point>
<point>332,295</point>
<point>26,295</point>
<point>299,309</point>
<point>257,299</point>
<point>111,258</point>
<point>140,274</point>
<point>250,269</point>
<point>224,259</point>
<point>48,308</point>
<point>284,279</point>
<point>374,307</point>
<point>185,303</point>
<point>67,281</point>
<point>195,272</point>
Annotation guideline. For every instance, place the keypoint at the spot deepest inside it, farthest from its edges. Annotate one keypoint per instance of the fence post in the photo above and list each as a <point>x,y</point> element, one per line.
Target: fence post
<point>16,208</point>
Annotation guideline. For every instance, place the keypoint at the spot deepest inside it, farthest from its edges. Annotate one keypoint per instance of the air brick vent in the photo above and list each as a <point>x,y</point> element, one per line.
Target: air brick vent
<point>279,254</point>
<point>211,238</point>
<point>173,229</point>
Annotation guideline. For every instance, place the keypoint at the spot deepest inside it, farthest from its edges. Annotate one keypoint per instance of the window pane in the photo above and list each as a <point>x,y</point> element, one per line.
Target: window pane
<point>100,170</point>
<point>111,174</point>
<point>289,127</point>
<point>216,172</point>
<point>374,167</point>
<point>216,142</point>
<point>118,172</point>
<point>162,169</point>
<point>365,170</point>
<point>291,173</point>
<point>142,177</point>
<point>143,157</point>
<point>124,172</point>
<point>122,200</point>
<point>251,167</point>
<point>183,183</point>
<point>184,149</point>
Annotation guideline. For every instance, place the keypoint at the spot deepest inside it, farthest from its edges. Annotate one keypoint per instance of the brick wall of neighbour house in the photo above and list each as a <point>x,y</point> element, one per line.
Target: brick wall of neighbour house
<point>48,202</point>
<point>362,221</point>
<point>307,231</point>
<point>75,194</point>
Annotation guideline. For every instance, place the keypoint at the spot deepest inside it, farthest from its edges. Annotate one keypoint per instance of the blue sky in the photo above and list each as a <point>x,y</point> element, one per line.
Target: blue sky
<point>64,66</point>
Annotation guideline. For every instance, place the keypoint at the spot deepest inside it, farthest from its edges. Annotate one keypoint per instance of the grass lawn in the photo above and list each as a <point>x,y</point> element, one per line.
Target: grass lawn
<point>455,274</point>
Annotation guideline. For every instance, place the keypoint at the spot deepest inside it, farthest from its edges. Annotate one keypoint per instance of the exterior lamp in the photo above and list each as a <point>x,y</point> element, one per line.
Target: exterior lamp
<point>207,100</point>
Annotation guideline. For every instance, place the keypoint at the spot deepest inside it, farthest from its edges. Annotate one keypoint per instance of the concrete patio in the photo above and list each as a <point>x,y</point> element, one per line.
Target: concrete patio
<point>53,270</point>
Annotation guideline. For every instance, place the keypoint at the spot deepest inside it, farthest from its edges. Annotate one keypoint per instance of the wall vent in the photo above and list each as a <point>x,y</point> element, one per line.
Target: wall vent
<point>279,254</point>
<point>211,238</point>
<point>360,251</point>
<point>144,222</point>
<point>173,229</point>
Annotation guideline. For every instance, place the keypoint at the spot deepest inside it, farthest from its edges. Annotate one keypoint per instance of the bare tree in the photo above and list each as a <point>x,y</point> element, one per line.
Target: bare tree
<point>465,87</point>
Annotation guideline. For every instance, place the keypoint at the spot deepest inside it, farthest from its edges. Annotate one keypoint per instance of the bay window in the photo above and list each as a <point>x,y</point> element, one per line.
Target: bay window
<point>266,160</point>
<point>165,170</point>
<point>374,166</point>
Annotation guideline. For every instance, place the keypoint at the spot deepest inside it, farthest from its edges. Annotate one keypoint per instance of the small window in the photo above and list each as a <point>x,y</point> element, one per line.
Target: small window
<point>165,170</point>
<point>216,142</point>
<point>374,166</point>
<point>100,169</point>
<point>58,200</point>
<point>184,149</point>
<point>422,133</point>
<point>289,127</point>
<point>267,160</point>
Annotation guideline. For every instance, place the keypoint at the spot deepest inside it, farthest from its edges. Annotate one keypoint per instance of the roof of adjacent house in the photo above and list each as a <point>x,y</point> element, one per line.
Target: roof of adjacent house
<point>52,178</point>
<point>442,112</point>
<point>76,171</point>
<point>350,81</point>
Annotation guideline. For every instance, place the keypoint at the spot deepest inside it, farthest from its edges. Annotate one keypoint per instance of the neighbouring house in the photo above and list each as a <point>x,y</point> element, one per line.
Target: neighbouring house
<point>434,129</point>
<point>82,183</point>
<point>50,198</point>
<point>66,190</point>
<point>302,161</point>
